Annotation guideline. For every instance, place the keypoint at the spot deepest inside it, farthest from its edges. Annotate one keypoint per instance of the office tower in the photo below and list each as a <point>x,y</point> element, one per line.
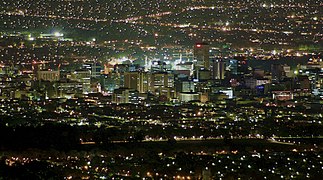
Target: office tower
<point>95,68</point>
<point>279,71</point>
<point>136,80</point>
<point>162,83</point>
<point>83,76</point>
<point>217,69</point>
<point>125,95</point>
<point>232,66</point>
<point>201,56</point>
<point>68,88</point>
<point>158,66</point>
<point>186,86</point>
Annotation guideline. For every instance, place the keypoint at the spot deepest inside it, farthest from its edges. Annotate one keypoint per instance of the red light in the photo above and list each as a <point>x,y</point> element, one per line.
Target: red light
<point>198,45</point>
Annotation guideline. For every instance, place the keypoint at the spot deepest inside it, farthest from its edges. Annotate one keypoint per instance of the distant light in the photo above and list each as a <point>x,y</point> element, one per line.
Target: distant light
<point>57,34</point>
<point>93,39</point>
<point>198,45</point>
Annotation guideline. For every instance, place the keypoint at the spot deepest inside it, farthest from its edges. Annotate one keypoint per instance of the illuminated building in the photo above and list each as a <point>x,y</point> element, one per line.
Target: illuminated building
<point>189,96</point>
<point>125,95</point>
<point>136,80</point>
<point>48,75</point>
<point>279,71</point>
<point>158,66</point>
<point>162,83</point>
<point>112,81</point>
<point>202,55</point>
<point>83,76</point>
<point>68,89</point>
<point>186,86</point>
<point>252,83</point>
<point>232,66</point>
<point>282,95</point>
<point>95,68</point>
<point>218,69</point>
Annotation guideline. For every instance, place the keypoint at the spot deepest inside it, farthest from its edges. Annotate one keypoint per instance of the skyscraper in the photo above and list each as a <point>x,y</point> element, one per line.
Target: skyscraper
<point>137,81</point>
<point>201,56</point>
<point>218,69</point>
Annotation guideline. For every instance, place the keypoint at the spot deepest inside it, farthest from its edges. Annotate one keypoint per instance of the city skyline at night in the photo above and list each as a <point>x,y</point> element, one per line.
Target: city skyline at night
<point>161,89</point>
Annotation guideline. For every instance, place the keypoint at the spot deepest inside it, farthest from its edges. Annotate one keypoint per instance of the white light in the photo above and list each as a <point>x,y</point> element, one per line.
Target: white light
<point>57,34</point>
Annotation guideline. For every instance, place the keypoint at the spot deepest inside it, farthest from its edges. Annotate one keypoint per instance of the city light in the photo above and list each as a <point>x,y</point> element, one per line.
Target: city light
<point>170,89</point>
<point>58,34</point>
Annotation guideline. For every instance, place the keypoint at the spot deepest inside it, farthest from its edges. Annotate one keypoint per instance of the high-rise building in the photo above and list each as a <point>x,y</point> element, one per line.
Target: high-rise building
<point>136,80</point>
<point>95,68</point>
<point>158,66</point>
<point>162,79</point>
<point>202,56</point>
<point>125,95</point>
<point>218,69</point>
<point>83,76</point>
<point>186,86</point>
<point>112,81</point>
<point>68,88</point>
<point>162,83</point>
<point>232,66</point>
<point>277,72</point>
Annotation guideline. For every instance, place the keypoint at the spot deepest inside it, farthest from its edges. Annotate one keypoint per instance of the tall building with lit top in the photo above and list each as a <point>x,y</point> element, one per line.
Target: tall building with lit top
<point>202,56</point>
